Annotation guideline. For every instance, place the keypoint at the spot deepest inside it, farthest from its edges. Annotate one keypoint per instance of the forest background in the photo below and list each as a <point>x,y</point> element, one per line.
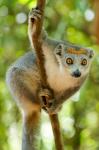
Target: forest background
<point>76,21</point>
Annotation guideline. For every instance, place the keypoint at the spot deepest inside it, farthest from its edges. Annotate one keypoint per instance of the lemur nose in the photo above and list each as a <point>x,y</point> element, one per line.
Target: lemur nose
<point>76,73</point>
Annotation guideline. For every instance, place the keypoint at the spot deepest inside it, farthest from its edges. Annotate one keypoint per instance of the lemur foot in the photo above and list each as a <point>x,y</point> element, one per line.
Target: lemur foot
<point>35,14</point>
<point>47,101</point>
<point>46,97</point>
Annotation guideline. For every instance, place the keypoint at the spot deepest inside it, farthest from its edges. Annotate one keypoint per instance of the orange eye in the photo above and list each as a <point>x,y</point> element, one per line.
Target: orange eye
<point>69,61</point>
<point>84,62</point>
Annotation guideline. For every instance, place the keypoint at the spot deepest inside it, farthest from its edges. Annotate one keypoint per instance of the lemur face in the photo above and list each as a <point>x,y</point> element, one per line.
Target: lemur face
<point>75,60</point>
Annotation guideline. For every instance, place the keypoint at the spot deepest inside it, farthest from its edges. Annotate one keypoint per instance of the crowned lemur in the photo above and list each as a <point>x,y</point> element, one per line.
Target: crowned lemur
<point>66,65</point>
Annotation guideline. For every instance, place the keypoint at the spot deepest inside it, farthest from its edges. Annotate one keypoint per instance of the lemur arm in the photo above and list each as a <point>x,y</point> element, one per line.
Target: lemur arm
<point>35,15</point>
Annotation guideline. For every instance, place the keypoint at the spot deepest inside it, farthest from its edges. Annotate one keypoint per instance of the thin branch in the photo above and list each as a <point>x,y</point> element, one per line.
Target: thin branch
<point>38,43</point>
<point>56,131</point>
<point>40,58</point>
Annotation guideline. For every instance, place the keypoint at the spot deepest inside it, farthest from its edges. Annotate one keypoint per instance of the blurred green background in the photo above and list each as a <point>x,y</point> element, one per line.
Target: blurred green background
<point>76,21</point>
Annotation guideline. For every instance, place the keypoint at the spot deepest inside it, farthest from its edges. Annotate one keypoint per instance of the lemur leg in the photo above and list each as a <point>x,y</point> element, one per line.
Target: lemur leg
<point>18,84</point>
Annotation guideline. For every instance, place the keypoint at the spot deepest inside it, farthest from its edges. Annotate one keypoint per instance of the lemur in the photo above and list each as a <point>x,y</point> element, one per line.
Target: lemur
<point>67,66</point>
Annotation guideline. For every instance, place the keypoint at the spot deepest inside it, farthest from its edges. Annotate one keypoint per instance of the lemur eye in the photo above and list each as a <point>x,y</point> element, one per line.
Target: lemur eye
<point>69,61</point>
<point>84,62</point>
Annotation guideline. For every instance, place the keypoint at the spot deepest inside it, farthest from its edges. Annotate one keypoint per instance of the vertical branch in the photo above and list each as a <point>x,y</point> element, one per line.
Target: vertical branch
<point>56,131</point>
<point>40,58</point>
<point>38,43</point>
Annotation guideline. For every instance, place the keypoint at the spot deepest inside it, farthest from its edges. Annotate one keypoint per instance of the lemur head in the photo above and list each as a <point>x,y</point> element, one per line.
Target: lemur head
<point>73,59</point>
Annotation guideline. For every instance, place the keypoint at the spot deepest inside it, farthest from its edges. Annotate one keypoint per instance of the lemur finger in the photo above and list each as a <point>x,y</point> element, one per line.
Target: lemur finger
<point>36,9</point>
<point>34,17</point>
<point>35,12</point>
<point>50,103</point>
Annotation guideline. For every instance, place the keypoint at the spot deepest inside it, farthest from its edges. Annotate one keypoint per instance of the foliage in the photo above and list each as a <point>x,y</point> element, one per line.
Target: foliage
<point>80,116</point>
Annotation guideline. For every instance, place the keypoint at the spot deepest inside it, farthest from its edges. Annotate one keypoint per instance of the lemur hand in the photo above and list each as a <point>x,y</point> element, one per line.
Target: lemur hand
<point>35,14</point>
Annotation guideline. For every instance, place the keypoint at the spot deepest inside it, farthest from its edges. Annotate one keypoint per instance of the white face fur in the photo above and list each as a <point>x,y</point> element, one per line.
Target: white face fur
<point>76,64</point>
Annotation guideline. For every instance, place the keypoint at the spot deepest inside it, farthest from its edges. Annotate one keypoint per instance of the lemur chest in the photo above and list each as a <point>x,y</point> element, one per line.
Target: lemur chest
<point>58,79</point>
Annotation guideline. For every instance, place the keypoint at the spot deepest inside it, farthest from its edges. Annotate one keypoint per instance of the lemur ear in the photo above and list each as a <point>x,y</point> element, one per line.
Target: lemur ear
<point>59,49</point>
<point>91,53</point>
